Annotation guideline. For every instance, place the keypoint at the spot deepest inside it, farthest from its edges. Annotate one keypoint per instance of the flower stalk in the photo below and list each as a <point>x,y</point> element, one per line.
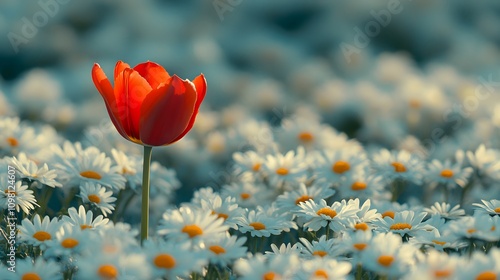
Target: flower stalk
<point>145,193</point>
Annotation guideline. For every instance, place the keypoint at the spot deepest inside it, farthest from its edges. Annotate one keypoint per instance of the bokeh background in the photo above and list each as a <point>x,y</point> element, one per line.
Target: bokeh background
<point>265,60</point>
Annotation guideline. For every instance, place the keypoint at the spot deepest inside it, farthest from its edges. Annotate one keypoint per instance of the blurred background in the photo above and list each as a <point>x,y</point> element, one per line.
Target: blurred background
<point>376,70</point>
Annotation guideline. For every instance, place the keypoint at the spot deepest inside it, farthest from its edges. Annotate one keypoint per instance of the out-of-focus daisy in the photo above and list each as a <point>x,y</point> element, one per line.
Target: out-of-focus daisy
<point>224,249</point>
<point>98,196</point>
<point>363,186</point>
<point>28,169</point>
<point>261,223</point>
<point>226,209</point>
<point>366,216</point>
<point>190,224</point>
<point>290,200</point>
<point>355,243</point>
<point>69,241</point>
<point>437,240</point>
<point>447,174</point>
<point>321,248</point>
<point>23,197</point>
<point>480,266</point>
<point>163,181</point>
<point>323,268</point>
<point>173,259</point>
<point>93,167</point>
<point>285,249</point>
<point>398,165</point>
<point>436,266</point>
<point>491,207</point>
<point>486,162</point>
<point>248,195</point>
<point>36,269</point>
<point>445,210</point>
<point>267,267</point>
<point>481,227</point>
<point>319,215</point>
<point>405,222</point>
<point>335,165</point>
<point>38,232</point>
<point>387,255</point>
<point>389,209</point>
<point>118,266</point>
<point>289,168</point>
<point>129,167</point>
<point>249,161</point>
<point>82,219</point>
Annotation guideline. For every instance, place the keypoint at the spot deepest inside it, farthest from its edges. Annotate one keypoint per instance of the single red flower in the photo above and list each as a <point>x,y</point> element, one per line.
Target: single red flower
<point>147,105</point>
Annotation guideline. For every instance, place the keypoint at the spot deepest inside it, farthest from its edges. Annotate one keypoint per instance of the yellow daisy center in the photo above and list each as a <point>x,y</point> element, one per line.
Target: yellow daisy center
<point>389,214</point>
<point>497,210</point>
<point>361,226</point>
<point>282,171</point>
<point>443,273</point>
<point>471,230</point>
<point>69,243</point>
<point>319,253</point>
<point>126,171</point>
<point>269,276</point>
<point>327,211</point>
<point>91,174</point>
<point>400,226</point>
<point>360,246</point>
<point>94,198</point>
<point>358,186</point>
<point>220,215</point>
<point>31,276</point>
<point>320,273</point>
<point>245,196</point>
<point>164,261</point>
<point>192,230</point>
<point>107,271</point>
<point>487,275</point>
<point>256,167</point>
<point>306,137</point>
<point>12,141</point>
<point>42,235</point>
<point>398,167</point>
<point>440,243</point>
<point>7,191</point>
<point>447,173</point>
<point>385,260</point>
<point>415,104</point>
<point>340,167</point>
<point>217,249</point>
<point>257,225</point>
<point>303,198</point>
<point>84,227</point>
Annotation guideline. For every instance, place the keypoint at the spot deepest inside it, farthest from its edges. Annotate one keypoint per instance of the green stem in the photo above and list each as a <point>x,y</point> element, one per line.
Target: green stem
<point>145,193</point>
<point>359,272</point>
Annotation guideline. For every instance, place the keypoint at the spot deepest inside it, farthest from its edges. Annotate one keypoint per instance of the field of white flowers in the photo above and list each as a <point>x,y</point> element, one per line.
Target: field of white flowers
<point>322,149</point>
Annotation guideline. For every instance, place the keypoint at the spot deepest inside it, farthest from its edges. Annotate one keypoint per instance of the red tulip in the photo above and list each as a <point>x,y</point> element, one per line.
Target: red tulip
<point>147,105</point>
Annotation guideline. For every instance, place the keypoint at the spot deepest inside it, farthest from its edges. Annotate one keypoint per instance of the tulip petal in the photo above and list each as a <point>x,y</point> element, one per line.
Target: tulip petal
<point>166,112</point>
<point>131,89</point>
<point>201,88</point>
<point>104,87</point>
<point>154,73</point>
<point>120,67</point>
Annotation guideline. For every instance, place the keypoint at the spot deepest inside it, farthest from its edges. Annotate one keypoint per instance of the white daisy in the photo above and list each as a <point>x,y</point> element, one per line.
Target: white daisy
<point>82,219</point>
<point>248,195</point>
<point>481,227</point>
<point>28,169</point>
<point>36,269</point>
<point>93,167</point>
<point>320,215</point>
<point>447,174</point>
<point>486,162</point>
<point>225,249</point>
<point>38,232</point>
<point>22,196</point>
<point>366,216</point>
<point>334,165</point>
<point>98,196</point>
<point>129,166</point>
<point>190,224</point>
<point>226,209</point>
<point>491,207</point>
<point>285,249</point>
<point>69,241</point>
<point>404,223</point>
<point>436,266</point>
<point>362,185</point>
<point>323,268</point>
<point>355,243</point>
<point>248,162</point>
<point>118,266</point>
<point>438,240</point>
<point>288,169</point>
<point>267,267</point>
<point>261,222</point>
<point>290,200</point>
<point>173,259</point>
<point>163,180</point>
<point>398,165</point>
<point>445,210</point>
<point>480,266</point>
<point>323,247</point>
